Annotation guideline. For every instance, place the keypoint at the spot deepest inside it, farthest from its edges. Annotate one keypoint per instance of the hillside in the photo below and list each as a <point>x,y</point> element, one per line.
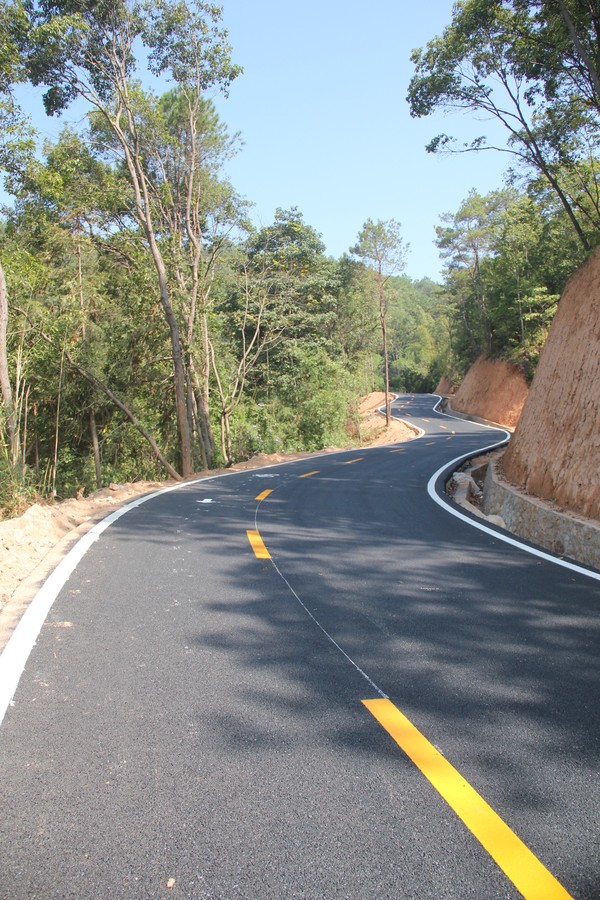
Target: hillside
<point>492,389</point>
<point>555,452</point>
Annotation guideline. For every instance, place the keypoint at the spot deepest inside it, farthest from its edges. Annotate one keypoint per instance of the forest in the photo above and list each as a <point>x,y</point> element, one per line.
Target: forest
<point>148,329</point>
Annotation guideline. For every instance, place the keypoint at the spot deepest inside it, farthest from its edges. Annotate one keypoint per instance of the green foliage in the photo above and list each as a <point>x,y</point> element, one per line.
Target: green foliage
<point>17,491</point>
<point>126,244</point>
<point>311,398</point>
<point>381,246</point>
<point>17,486</point>
<point>505,269</point>
<point>522,64</point>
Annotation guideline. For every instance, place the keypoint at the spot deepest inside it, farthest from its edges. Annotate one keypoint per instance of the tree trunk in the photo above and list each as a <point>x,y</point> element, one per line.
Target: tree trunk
<point>95,382</point>
<point>205,435</point>
<point>386,363</point>
<point>57,424</point>
<point>7,397</point>
<point>124,409</point>
<point>96,446</point>
<point>205,383</point>
<point>80,280</point>
<point>144,216</point>
<point>226,447</point>
<point>179,382</point>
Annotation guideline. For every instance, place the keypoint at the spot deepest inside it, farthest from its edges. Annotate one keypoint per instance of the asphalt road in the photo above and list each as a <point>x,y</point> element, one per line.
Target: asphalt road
<point>191,720</point>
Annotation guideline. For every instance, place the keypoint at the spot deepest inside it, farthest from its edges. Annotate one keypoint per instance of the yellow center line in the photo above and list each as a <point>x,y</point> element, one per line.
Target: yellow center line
<point>400,450</point>
<point>308,474</point>
<point>430,443</point>
<point>264,494</point>
<point>350,461</point>
<point>444,426</point>
<point>516,860</point>
<point>256,542</point>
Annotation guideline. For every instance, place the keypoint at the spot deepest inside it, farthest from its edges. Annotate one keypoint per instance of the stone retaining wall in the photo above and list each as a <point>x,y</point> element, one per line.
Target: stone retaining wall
<point>533,520</point>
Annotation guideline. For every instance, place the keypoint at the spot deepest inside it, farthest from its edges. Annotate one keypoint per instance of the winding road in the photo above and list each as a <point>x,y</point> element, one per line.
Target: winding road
<point>307,681</point>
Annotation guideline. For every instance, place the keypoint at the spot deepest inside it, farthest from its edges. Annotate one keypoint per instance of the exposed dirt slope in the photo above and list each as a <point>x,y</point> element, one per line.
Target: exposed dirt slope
<point>555,453</point>
<point>445,386</point>
<point>492,389</point>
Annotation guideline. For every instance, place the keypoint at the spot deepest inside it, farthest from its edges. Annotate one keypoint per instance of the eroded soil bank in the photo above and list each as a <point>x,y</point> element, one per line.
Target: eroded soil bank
<point>492,389</point>
<point>555,452</point>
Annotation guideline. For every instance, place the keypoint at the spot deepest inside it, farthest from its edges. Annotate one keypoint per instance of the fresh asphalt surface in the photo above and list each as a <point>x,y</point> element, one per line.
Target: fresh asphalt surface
<point>187,724</point>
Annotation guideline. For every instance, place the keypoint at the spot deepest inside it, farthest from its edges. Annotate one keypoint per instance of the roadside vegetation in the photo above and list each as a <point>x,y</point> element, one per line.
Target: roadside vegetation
<point>148,329</point>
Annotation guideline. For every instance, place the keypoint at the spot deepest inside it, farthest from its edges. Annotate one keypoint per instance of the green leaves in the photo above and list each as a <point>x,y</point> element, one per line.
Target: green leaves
<point>380,246</point>
<point>185,40</point>
<point>532,66</point>
<point>508,255</point>
<point>88,48</point>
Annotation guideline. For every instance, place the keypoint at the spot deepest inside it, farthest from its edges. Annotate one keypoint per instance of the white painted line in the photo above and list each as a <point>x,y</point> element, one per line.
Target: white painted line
<point>499,535</point>
<point>16,652</point>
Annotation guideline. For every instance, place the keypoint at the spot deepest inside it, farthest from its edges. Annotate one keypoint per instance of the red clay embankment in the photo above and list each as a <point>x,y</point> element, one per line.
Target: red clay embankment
<point>492,389</point>
<point>555,452</point>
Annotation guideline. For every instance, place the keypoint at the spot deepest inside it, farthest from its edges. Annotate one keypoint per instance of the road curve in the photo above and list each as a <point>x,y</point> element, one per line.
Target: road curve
<point>309,681</point>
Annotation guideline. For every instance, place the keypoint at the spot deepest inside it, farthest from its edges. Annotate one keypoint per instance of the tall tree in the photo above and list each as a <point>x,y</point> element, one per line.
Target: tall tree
<point>85,49</point>
<point>507,60</point>
<point>16,148</point>
<point>465,240</point>
<point>381,247</point>
<point>184,145</point>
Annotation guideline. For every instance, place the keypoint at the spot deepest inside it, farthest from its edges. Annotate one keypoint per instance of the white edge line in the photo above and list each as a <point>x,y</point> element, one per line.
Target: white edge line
<point>420,431</point>
<point>507,539</point>
<point>13,658</point>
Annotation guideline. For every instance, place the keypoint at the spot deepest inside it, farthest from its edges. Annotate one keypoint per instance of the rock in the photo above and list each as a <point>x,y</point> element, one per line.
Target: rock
<point>496,520</point>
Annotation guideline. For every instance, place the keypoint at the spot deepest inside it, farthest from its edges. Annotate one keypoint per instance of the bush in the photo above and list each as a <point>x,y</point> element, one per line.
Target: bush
<point>17,490</point>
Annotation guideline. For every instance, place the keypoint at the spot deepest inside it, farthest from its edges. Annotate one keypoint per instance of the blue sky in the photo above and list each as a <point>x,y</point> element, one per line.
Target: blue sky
<point>326,128</point>
<point>322,110</point>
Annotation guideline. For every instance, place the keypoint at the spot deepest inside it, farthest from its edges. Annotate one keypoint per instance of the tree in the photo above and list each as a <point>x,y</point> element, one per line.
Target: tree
<point>465,240</point>
<point>85,49</point>
<point>184,145</point>
<point>517,63</point>
<point>563,43</point>
<point>516,250</point>
<point>280,298</point>
<point>381,247</point>
<point>418,334</point>
<point>16,148</point>
<point>356,322</point>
